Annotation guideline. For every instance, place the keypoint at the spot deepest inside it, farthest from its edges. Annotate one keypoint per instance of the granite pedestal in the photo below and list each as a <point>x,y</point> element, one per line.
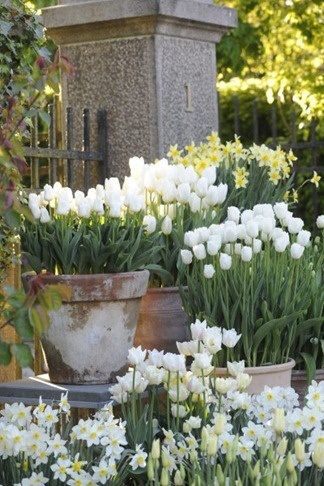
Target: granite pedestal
<point>30,389</point>
<point>150,63</point>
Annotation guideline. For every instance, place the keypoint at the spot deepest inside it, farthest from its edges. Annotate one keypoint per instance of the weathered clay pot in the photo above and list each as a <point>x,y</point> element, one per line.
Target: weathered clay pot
<point>89,336</point>
<point>162,321</point>
<point>299,381</point>
<point>272,375</point>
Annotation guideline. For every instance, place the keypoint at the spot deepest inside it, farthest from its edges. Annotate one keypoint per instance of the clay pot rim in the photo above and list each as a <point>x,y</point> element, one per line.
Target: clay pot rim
<point>265,369</point>
<point>99,286</point>
<point>166,290</point>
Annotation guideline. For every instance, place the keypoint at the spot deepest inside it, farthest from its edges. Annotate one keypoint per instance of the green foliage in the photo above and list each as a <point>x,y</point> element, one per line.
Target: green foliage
<point>69,245</point>
<point>28,314</point>
<point>278,46</point>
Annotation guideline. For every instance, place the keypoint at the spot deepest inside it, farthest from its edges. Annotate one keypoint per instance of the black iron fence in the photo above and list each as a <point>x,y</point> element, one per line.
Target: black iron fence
<point>52,155</point>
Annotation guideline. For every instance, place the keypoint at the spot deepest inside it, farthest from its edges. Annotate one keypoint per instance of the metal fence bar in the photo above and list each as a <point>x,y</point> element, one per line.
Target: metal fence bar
<point>34,164</point>
<point>293,129</point>
<point>86,147</point>
<point>52,143</point>
<point>69,145</point>
<point>103,142</point>
<point>61,154</point>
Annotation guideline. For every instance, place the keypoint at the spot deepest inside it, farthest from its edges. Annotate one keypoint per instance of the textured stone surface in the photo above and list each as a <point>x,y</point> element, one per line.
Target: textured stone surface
<point>150,63</point>
<point>119,76</point>
<point>29,390</point>
<point>186,91</point>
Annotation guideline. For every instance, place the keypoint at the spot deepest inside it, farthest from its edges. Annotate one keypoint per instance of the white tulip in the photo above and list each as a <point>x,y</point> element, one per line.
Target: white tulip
<point>256,245</point>
<point>303,237</point>
<point>35,210</point>
<point>246,254</point>
<point>136,356</point>
<point>198,329</point>
<point>236,367</point>
<point>228,249</point>
<point>66,193</point>
<point>178,411</point>
<point>241,231</point>
<point>63,206</point>
<point>212,196</point>
<point>209,271</point>
<point>277,233</point>
<point>136,165</point>
<point>186,256</point>
<point>252,228</point>
<point>188,348</point>
<point>112,185</point>
<point>267,225</point>
<point>203,233</point>
<point>57,187</point>
<point>320,221</point>
<point>84,208</point>
<point>285,220</point>
<point>225,261</point>
<point>199,251</point>
<point>149,222</point>
<point>202,361</point>
<point>166,226</point>
<point>190,175</point>
<point>44,216</point>
<point>174,363</point>
<point>136,203</point>
<point>169,191</point>
<point>295,225</point>
<point>33,199</point>
<point>210,174</point>
<point>100,190</point>
<point>194,203</point>
<point>212,339</point>
<point>196,385</point>
<point>222,192</point>
<point>155,358</point>
<point>49,193</point>
<point>214,244</point>
<point>238,249</point>
<point>191,238</point>
<point>183,193</point>
<point>78,196</point>
<point>233,214</point>
<point>115,209</point>
<point>230,337</point>
<point>98,206</point>
<point>247,215</point>
<point>230,233</point>
<point>243,380</point>
<point>296,251</point>
<point>201,186</point>
<point>281,243</point>
<point>280,209</point>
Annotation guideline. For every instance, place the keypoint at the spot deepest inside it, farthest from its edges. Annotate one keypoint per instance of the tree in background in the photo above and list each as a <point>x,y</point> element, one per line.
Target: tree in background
<point>276,53</point>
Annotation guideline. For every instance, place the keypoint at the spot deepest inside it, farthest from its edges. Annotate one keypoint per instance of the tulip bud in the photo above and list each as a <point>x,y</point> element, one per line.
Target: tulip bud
<point>178,481</point>
<point>212,446</point>
<point>182,471</point>
<point>220,422</point>
<point>156,449</point>
<point>164,481</point>
<point>150,469</point>
<point>220,475</point>
<point>289,464</point>
<point>204,439</point>
<point>299,450</point>
<point>318,455</point>
<point>282,447</point>
<point>279,421</point>
<point>166,226</point>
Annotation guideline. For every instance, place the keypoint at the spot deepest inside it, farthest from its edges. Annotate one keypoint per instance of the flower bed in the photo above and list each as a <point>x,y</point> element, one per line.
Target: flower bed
<point>201,430</point>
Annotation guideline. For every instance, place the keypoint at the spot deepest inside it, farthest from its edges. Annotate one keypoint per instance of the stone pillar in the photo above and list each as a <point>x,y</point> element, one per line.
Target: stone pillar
<point>150,63</point>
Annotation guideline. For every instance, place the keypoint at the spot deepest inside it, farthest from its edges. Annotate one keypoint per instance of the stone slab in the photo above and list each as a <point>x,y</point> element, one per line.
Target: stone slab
<point>68,15</point>
<point>29,390</point>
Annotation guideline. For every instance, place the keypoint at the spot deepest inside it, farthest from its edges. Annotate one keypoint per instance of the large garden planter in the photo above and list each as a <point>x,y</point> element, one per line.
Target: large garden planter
<point>89,336</point>
<point>272,375</point>
<point>162,321</point>
<point>299,381</point>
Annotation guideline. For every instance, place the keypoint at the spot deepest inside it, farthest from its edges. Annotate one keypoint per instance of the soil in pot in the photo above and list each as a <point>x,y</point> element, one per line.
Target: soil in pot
<point>162,321</point>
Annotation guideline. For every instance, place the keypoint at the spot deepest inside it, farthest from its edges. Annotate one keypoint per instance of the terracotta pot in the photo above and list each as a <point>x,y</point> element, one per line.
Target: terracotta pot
<point>88,339</point>
<point>162,321</point>
<point>299,381</point>
<point>272,375</point>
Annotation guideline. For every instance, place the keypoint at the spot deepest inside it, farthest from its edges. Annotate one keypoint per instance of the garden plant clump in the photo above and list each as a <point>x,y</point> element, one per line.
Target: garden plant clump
<point>193,428</point>
<point>260,273</point>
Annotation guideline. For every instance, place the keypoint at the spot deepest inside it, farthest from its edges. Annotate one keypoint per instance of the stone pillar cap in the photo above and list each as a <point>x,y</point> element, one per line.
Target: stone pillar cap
<point>73,13</point>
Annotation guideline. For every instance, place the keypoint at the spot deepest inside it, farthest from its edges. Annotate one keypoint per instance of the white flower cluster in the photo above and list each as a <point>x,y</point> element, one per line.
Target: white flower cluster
<point>155,367</point>
<point>165,183</point>
<point>245,233</point>
<point>216,421</point>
